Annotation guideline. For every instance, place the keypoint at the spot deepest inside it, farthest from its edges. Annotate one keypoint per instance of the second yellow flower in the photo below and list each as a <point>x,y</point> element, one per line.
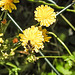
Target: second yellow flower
<point>45,15</point>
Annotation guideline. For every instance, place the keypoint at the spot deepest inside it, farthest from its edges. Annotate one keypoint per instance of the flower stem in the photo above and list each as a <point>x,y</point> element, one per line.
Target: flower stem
<point>68,22</point>
<point>51,57</point>
<point>49,63</point>
<point>36,24</point>
<point>52,1</point>
<point>1,15</point>
<point>5,15</point>
<point>56,6</point>
<point>13,49</point>
<point>61,42</point>
<point>65,8</point>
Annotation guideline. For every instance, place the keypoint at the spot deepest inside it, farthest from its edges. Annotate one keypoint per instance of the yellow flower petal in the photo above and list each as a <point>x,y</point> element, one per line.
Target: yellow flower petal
<point>1,34</point>
<point>44,33</point>
<point>32,39</point>
<point>16,1</point>
<point>1,40</point>
<point>8,5</point>
<point>45,15</point>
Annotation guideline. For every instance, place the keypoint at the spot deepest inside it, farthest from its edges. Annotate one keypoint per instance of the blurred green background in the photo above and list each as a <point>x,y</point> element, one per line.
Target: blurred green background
<point>24,16</point>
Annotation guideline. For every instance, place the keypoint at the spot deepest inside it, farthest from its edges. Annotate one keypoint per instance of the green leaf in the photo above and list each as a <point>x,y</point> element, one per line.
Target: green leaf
<point>73,73</point>
<point>62,36</point>
<point>51,73</point>
<point>10,64</point>
<point>43,73</point>
<point>62,70</point>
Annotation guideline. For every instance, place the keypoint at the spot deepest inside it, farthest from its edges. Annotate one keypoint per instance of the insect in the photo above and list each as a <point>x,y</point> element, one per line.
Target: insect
<point>29,46</point>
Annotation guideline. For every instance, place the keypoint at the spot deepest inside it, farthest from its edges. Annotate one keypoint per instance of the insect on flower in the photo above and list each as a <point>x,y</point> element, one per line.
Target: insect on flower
<point>29,46</point>
<point>32,39</point>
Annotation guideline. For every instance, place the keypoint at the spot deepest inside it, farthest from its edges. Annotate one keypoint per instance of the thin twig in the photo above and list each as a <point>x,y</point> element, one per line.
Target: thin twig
<point>51,56</point>
<point>65,8</point>
<point>49,63</point>
<point>68,22</point>
<point>15,22</point>
<point>61,42</point>
<point>52,1</point>
<point>55,6</point>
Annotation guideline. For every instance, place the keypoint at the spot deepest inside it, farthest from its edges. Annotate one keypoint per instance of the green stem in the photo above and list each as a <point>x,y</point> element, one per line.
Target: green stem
<point>37,24</point>
<point>10,64</point>
<point>52,1</point>
<point>68,22</point>
<point>50,51</point>
<point>49,63</point>
<point>61,42</point>
<point>5,15</point>
<point>4,27</point>
<point>51,57</point>
<point>16,47</point>
<point>64,9</point>
<point>56,6</point>
<point>2,14</point>
<point>15,22</point>
<point>10,72</point>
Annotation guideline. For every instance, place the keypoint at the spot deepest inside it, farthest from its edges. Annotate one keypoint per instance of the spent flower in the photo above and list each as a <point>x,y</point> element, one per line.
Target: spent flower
<point>4,21</point>
<point>45,15</point>
<point>15,40</point>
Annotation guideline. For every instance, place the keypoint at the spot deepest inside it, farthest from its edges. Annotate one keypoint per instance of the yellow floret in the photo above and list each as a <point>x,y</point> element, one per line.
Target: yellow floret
<point>45,15</point>
<point>32,39</point>
<point>44,33</point>
<point>8,5</point>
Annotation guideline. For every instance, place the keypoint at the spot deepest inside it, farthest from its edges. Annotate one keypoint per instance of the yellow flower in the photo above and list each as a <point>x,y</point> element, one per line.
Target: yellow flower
<point>44,33</point>
<point>45,15</point>
<point>1,34</point>
<point>1,40</point>
<point>32,39</point>
<point>8,5</point>
<point>31,58</point>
